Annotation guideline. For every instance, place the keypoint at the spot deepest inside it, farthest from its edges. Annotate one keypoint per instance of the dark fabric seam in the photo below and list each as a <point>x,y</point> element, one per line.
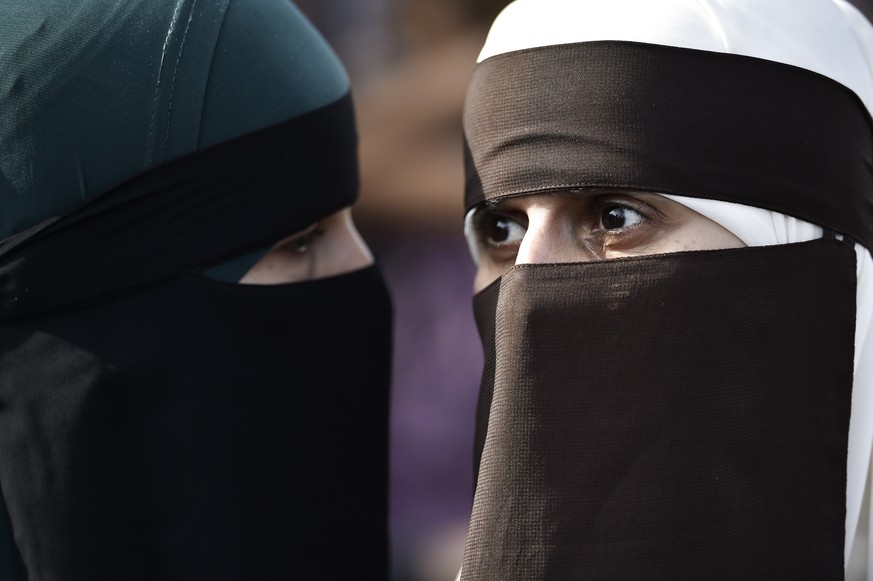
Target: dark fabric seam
<point>173,81</point>
<point>209,75</point>
<point>152,120</point>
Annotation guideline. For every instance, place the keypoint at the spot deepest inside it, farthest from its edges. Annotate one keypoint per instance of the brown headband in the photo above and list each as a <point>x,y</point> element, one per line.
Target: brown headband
<point>687,122</point>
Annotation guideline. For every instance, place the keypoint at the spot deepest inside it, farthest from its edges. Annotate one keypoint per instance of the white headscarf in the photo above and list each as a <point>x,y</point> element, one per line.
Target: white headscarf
<point>829,37</point>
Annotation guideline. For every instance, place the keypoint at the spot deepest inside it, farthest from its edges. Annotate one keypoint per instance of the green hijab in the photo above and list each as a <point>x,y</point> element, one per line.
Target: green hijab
<point>95,92</point>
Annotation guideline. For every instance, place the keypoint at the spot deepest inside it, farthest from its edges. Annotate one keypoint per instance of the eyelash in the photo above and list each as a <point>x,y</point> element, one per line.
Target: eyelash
<point>487,216</point>
<point>300,244</point>
<point>603,204</point>
<point>491,213</point>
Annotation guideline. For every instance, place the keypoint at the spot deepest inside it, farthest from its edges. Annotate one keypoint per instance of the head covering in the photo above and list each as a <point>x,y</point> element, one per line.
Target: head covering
<point>729,144</point>
<point>157,422</point>
<point>155,80</point>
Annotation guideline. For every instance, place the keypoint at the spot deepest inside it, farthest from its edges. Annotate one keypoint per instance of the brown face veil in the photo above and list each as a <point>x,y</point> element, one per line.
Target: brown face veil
<point>679,416</point>
<point>157,423</point>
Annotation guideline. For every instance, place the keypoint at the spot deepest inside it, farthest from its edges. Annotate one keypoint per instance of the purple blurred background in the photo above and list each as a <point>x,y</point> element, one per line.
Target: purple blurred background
<point>409,61</point>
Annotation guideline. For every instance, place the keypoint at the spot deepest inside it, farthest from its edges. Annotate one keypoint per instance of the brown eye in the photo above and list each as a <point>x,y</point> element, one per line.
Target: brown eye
<point>499,230</point>
<point>300,243</point>
<point>615,217</point>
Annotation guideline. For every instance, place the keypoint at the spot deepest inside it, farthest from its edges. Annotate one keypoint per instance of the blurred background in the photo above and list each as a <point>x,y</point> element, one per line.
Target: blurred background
<point>409,62</point>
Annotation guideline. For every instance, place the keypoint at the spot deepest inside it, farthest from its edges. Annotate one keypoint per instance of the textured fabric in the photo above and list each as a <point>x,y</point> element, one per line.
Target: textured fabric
<point>156,423</point>
<point>626,440</point>
<point>201,430</point>
<point>159,423</point>
<point>94,92</point>
<point>550,118</point>
<point>828,37</point>
<point>485,312</point>
<point>195,212</point>
<point>269,64</point>
<point>754,226</point>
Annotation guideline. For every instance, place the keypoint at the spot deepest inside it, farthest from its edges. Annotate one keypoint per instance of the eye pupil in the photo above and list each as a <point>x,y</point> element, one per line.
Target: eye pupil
<point>302,245</point>
<point>498,230</point>
<point>494,230</point>
<point>614,217</point>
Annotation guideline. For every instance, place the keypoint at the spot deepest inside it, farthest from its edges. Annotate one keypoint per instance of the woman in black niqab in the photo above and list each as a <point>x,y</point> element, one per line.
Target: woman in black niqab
<point>691,411</point>
<point>157,419</point>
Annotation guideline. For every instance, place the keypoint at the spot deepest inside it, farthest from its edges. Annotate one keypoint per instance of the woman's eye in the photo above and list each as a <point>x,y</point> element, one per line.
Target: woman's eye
<point>301,243</point>
<point>615,217</point>
<point>500,230</point>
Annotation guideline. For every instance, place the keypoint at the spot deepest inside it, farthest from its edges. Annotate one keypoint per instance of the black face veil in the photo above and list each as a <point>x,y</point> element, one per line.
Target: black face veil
<point>159,424</point>
<point>682,416</point>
